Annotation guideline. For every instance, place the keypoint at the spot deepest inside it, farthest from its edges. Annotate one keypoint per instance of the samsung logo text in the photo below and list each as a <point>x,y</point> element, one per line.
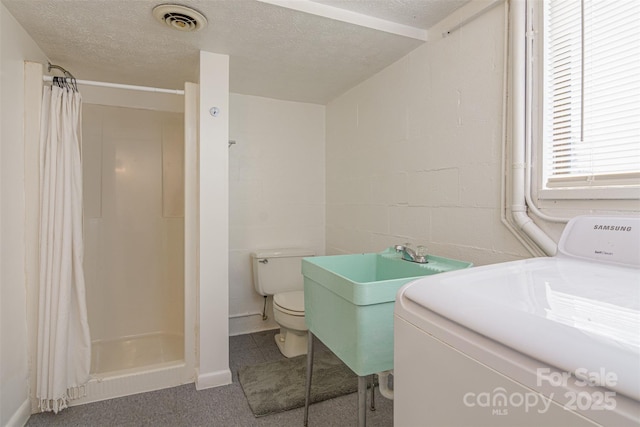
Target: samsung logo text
<point>611,227</point>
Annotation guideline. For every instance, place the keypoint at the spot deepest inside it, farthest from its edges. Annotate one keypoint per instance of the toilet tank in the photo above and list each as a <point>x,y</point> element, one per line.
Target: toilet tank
<point>278,270</point>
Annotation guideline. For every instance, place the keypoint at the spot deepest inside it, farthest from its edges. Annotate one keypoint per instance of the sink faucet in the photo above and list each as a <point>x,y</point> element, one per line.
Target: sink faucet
<point>408,254</point>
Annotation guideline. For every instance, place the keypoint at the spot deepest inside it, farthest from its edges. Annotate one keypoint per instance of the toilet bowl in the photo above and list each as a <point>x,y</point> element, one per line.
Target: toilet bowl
<point>288,312</point>
<point>277,272</point>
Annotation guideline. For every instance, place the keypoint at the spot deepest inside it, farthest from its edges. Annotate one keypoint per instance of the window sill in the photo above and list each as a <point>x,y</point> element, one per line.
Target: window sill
<point>591,193</point>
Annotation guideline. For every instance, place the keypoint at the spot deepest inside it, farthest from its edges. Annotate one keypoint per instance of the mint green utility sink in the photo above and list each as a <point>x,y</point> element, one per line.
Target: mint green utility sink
<point>349,299</point>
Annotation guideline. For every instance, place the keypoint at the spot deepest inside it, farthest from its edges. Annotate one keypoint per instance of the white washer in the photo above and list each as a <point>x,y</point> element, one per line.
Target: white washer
<point>545,341</point>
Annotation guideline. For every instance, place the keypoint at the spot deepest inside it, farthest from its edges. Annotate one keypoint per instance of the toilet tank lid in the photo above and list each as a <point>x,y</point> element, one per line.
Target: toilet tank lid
<point>282,253</point>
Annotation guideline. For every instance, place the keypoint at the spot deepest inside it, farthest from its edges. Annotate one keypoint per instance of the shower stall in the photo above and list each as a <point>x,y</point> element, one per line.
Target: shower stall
<point>134,236</point>
<point>140,307</point>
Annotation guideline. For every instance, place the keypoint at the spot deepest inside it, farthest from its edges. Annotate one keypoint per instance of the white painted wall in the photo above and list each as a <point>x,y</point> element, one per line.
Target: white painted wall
<point>276,192</point>
<point>213,296</point>
<point>15,47</point>
<point>414,153</point>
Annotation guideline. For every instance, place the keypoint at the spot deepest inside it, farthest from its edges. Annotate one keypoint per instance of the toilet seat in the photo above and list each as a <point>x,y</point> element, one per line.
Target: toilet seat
<point>291,303</point>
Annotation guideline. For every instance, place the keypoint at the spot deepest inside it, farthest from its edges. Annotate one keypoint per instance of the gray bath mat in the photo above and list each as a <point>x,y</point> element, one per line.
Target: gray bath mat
<point>278,386</point>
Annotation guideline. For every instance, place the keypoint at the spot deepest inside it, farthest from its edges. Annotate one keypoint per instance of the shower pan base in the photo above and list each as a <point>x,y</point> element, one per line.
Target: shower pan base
<point>135,352</point>
<point>136,364</point>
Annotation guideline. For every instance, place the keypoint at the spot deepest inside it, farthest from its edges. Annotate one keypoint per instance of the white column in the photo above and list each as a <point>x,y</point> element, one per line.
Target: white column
<point>213,168</point>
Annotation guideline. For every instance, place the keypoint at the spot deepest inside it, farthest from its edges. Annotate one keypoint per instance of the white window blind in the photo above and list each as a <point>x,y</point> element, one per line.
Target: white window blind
<point>591,93</point>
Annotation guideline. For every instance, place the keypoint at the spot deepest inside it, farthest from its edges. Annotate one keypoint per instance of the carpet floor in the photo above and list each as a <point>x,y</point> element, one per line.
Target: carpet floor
<point>224,406</point>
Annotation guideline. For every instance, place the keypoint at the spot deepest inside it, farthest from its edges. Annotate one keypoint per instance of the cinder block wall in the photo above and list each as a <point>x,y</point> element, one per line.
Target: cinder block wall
<point>414,153</point>
<point>276,192</point>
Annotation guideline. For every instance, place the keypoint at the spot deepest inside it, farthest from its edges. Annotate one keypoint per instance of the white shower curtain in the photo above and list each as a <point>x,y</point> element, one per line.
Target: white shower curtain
<point>64,344</point>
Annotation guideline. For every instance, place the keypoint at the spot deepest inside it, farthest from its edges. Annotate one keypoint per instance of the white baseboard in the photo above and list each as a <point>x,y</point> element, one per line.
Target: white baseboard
<point>21,416</point>
<point>251,324</point>
<point>213,379</point>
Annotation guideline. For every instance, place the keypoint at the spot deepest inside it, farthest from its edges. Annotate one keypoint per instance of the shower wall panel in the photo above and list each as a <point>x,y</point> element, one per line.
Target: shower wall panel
<point>134,221</point>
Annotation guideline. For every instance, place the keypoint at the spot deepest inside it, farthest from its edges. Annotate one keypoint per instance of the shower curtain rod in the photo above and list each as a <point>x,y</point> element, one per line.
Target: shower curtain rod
<point>121,86</point>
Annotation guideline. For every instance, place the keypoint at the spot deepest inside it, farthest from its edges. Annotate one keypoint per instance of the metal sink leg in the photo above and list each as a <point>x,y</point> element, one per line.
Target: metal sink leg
<point>362,389</point>
<point>372,398</point>
<point>307,398</point>
<point>362,401</point>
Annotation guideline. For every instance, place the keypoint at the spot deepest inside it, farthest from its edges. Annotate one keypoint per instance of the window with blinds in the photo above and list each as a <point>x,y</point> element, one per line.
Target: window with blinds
<point>591,94</point>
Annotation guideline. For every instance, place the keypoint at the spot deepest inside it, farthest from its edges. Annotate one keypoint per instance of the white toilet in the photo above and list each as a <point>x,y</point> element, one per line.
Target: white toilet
<point>277,272</point>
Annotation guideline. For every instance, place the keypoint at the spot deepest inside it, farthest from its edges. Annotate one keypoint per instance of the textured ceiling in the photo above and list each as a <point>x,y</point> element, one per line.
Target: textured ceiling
<point>414,13</point>
<point>274,51</point>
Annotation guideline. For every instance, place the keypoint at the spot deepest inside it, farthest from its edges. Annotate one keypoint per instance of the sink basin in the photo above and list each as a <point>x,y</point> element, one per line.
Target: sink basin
<point>349,302</point>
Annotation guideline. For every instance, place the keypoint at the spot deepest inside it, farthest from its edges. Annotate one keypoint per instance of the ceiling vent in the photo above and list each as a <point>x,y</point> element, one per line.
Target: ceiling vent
<point>179,17</point>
